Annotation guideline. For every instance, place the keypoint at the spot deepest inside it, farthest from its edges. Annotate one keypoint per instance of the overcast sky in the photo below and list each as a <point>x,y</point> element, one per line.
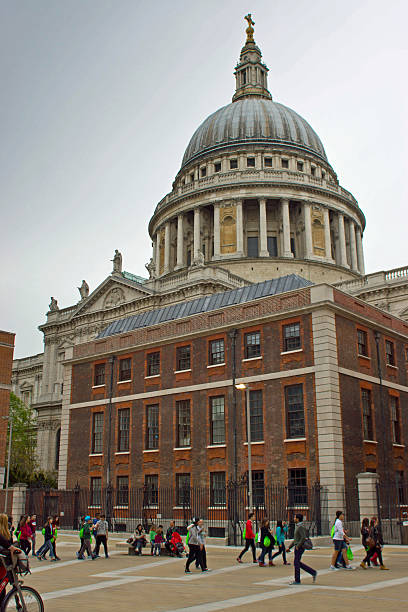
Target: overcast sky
<point>100,98</point>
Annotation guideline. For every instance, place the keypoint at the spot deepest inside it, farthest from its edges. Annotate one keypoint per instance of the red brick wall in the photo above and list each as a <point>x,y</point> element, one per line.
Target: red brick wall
<point>6,361</point>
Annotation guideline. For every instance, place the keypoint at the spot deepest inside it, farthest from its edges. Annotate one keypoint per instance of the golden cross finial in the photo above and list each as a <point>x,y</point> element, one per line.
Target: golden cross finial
<point>250,29</point>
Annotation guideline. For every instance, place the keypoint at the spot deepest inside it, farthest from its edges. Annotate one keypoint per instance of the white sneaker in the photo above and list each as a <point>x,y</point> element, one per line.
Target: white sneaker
<point>333,568</point>
<point>348,567</point>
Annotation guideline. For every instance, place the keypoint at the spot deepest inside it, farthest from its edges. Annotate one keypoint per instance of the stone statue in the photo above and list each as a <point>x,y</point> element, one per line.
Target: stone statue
<point>250,29</point>
<point>53,305</point>
<point>114,297</point>
<point>199,261</point>
<point>117,262</point>
<point>151,268</point>
<point>84,290</point>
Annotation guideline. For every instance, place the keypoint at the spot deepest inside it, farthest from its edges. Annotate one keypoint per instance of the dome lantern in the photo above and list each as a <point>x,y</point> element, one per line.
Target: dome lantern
<point>250,73</point>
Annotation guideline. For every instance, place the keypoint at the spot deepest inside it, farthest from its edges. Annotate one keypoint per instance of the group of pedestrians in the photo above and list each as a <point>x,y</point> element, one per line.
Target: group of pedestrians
<point>98,528</point>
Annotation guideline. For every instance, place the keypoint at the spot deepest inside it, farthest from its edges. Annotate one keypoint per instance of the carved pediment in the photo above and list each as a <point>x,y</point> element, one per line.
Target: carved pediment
<point>111,293</point>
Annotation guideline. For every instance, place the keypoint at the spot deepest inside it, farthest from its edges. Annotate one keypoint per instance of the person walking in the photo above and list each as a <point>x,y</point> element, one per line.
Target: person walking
<point>267,542</point>
<point>298,541</point>
<point>33,527</point>
<point>281,533</point>
<point>249,537</point>
<point>55,527</point>
<point>86,545</point>
<point>102,531</point>
<point>194,545</point>
<point>25,534</point>
<point>365,534</point>
<point>201,537</point>
<point>47,546</point>
<point>340,541</point>
<point>375,544</point>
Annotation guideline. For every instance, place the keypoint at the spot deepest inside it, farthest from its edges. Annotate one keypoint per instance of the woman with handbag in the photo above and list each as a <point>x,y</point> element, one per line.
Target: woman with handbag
<point>267,542</point>
<point>374,543</point>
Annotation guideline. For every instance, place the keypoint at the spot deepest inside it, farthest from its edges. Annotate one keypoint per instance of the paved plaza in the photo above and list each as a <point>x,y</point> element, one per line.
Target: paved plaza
<point>148,583</point>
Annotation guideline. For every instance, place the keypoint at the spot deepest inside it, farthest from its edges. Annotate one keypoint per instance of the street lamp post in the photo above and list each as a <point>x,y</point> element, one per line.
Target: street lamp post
<point>10,420</point>
<point>248,421</point>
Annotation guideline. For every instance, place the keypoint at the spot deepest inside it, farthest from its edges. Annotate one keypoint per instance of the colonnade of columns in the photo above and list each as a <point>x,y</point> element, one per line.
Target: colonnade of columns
<point>347,250</point>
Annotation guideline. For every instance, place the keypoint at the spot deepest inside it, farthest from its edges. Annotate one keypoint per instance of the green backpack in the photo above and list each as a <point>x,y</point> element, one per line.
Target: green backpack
<point>267,542</point>
<point>81,533</point>
<point>187,537</point>
<point>332,532</point>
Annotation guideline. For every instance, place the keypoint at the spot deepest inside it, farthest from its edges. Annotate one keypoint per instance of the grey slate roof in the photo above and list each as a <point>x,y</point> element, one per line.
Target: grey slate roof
<point>254,120</point>
<point>206,304</point>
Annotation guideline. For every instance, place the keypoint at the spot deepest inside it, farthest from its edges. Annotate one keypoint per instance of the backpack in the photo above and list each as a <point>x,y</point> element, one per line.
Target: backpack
<point>332,532</point>
<point>81,533</point>
<point>267,542</point>
<point>307,544</point>
<point>187,537</point>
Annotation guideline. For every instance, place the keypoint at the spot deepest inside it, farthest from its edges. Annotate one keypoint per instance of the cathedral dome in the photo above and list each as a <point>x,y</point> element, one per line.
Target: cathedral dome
<point>256,120</point>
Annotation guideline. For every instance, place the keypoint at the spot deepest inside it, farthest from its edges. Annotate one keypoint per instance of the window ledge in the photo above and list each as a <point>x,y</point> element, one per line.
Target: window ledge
<point>216,365</point>
<point>98,386</point>
<point>398,445</point>
<point>121,507</point>
<point>394,367</point>
<point>371,441</point>
<point>153,376</point>
<point>123,453</point>
<point>123,381</point>
<point>96,454</point>
<point>364,357</point>
<point>300,350</point>
<point>218,507</point>
<point>182,448</point>
<point>216,446</point>
<point>252,358</point>
<point>151,450</point>
<point>257,442</point>
<point>181,507</point>
<point>295,440</point>
<point>180,371</point>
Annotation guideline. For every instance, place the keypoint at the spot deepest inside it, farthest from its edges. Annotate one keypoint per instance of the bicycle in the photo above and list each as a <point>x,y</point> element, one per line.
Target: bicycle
<point>20,598</point>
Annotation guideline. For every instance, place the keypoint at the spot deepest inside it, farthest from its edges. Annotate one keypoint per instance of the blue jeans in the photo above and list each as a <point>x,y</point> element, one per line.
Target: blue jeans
<point>265,550</point>
<point>47,546</point>
<point>299,565</point>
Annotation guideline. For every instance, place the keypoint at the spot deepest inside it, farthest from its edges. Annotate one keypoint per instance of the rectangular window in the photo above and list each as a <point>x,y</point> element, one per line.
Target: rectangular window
<point>402,488</point>
<point>395,420</point>
<point>252,246</point>
<point>123,431</point>
<point>313,170</point>
<point>96,491</point>
<point>203,172</point>
<point>125,369</point>
<point>268,162</point>
<point>153,364</point>
<point>122,491</point>
<point>389,353</point>
<point>252,345</point>
<point>217,420</point>
<point>97,432</point>
<point>183,357</point>
<point>285,163</point>
<point>183,490</point>
<point>183,423</point>
<point>152,427</point>
<point>217,167</point>
<point>217,489</point>
<point>216,352</point>
<point>300,166</point>
<point>291,337</point>
<point>192,177</point>
<point>272,244</point>
<point>295,414</point>
<point>368,429</point>
<point>151,490</point>
<point>258,488</point>
<point>293,246</point>
<point>99,374</point>
<point>256,415</point>
<point>233,164</point>
<point>362,343</point>
<point>297,487</point>
<point>250,162</point>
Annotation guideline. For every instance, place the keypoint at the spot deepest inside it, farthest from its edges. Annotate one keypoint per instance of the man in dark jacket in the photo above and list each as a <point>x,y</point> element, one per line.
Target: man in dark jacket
<point>298,541</point>
<point>86,545</point>
<point>169,535</point>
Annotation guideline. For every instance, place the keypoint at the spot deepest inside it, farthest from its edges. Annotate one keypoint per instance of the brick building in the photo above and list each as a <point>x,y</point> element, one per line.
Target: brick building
<point>6,361</point>
<point>152,400</point>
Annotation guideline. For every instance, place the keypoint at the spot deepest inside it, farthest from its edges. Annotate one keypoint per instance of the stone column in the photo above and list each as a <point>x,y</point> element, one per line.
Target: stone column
<point>180,243</point>
<point>342,242</point>
<point>157,262</point>
<point>240,229</point>
<point>308,230</point>
<point>18,492</point>
<point>65,422</point>
<point>263,251</point>
<point>353,247</point>
<point>360,252</point>
<point>367,494</point>
<point>327,236</point>
<point>197,233</point>
<point>286,228</point>
<point>167,247</point>
<point>217,249</point>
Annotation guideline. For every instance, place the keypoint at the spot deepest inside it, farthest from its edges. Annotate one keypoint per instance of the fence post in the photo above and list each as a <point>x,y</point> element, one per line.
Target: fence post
<point>367,494</point>
<point>76,507</point>
<point>19,501</point>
